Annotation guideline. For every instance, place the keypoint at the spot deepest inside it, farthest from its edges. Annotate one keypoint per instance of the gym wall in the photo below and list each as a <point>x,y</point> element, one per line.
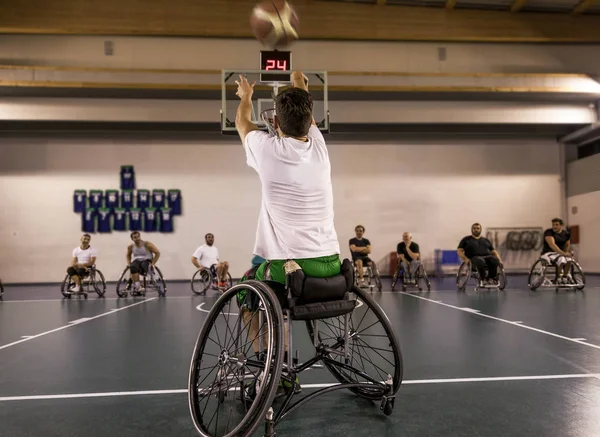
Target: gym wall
<point>434,189</point>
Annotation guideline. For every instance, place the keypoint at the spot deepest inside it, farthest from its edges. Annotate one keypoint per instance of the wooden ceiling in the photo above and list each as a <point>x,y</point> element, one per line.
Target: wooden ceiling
<point>565,21</point>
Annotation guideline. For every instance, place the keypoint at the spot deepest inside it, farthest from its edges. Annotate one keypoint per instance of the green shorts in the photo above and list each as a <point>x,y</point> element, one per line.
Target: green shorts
<point>321,267</point>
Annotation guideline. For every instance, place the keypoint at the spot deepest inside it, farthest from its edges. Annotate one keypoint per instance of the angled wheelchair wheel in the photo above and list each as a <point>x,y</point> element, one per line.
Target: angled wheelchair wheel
<point>423,280</point>
<point>65,286</point>
<point>157,282</point>
<point>201,281</point>
<point>124,283</point>
<point>374,350</point>
<point>98,283</point>
<point>577,275</point>
<point>1,290</point>
<point>378,281</point>
<point>501,279</point>
<point>231,384</point>
<point>395,277</point>
<point>463,276</point>
<point>537,274</point>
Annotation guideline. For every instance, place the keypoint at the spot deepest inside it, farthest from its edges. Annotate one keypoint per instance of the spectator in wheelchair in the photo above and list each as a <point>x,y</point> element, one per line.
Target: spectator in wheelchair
<point>557,250</point>
<point>207,257</point>
<point>480,253</point>
<point>360,248</point>
<point>140,255</point>
<point>296,219</point>
<point>84,257</point>
<point>408,252</point>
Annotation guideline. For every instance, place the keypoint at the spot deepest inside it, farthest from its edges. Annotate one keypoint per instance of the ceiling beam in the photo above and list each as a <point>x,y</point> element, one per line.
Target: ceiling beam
<point>517,5</point>
<point>381,2</point>
<point>450,4</point>
<point>584,5</point>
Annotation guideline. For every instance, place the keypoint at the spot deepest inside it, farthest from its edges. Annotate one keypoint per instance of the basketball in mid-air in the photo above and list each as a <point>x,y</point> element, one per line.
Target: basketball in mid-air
<point>274,23</point>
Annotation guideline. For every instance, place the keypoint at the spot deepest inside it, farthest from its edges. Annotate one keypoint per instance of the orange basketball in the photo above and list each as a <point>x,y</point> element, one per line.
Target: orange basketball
<point>274,23</point>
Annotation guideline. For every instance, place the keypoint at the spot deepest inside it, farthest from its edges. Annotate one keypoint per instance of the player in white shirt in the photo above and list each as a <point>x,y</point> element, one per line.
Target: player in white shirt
<point>296,214</point>
<point>84,256</point>
<point>207,257</point>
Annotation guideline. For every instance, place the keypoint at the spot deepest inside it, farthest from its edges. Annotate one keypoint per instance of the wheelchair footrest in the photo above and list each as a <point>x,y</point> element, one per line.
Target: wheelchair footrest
<point>322,310</point>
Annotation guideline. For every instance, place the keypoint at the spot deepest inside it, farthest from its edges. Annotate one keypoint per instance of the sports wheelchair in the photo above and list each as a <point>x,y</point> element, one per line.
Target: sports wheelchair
<point>1,289</point>
<point>421,280</point>
<point>538,277</point>
<point>152,280</point>
<point>234,376</point>
<point>204,279</point>
<point>92,281</point>
<point>370,273</point>
<point>467,271</point>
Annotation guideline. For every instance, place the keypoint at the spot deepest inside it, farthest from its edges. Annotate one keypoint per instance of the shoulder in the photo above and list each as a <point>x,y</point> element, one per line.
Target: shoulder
<point>257,138</point>
<point>549,233</point>
<point>315,133</point>
<point>352,241</point>
<point>415,245</point>
<point>367,242</point>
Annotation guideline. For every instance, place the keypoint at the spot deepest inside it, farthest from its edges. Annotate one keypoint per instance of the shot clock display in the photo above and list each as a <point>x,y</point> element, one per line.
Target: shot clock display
<point>275,61</point>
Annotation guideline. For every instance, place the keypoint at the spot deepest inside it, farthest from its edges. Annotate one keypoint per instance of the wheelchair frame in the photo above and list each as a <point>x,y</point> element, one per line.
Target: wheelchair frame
<point>269,307</point>
<point>421,274</point>
<point>474,274</point>
<point>91,281</point>
<point>161,292</point>
<point>1,289</point>
<point>212,281</point>
<point>369,271</point>
<point>553,283</point>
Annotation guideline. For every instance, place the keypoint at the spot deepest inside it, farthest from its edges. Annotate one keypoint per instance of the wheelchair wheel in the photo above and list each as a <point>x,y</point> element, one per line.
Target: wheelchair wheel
<point>577,275</point>
<point>157,282</point>
<point>228,364</point>
<point>463,276</point>
<point>98,282</point>
<point>374,349</point>
<point>377,280</point>
<point>1,290</point>
<point>201,281</point>
<point>537,274</point>
<point>395,277</point>
<point>124,283</point>
<point>65,286</point>
<point>423,280</point>
<point>501,279</point>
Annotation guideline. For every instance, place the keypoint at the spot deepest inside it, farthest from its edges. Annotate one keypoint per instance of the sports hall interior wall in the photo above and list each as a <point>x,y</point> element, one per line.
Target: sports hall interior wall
<point>433,188</point>
<point>188,53</point>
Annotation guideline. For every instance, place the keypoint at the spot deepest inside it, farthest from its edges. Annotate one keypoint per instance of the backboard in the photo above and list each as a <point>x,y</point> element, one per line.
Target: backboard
<point>264,94</point>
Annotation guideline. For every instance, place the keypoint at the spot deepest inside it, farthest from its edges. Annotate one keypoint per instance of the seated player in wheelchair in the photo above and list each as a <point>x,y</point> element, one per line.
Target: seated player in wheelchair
<point>296,234</point>
<point>207,257</point>
<point>83,257</point>
<point>479,252</point>
<point>140,256</point>
<point>360,248</point>
<point>557,251</point>
<point>409,257</point>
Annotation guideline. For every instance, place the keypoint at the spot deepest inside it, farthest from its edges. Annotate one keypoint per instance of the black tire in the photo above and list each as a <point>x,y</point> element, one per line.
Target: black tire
<point>255,414</point>
<point>123,287</point>
<point>65,286</point>
<point>160,283</point>
<point>99,286</point>
<point>201,281</point>
<point>534,285</point>
<point>342,375</point>
<point>378,281</point>
<point>502,281</point>
<point>577,271</point>
<point>462,276</point>
<point>1,290</point>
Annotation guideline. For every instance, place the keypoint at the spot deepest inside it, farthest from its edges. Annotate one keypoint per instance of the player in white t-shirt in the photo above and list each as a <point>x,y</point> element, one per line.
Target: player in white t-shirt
<point>296,214</point>
<point>84,256</point>
<point>207,257</point>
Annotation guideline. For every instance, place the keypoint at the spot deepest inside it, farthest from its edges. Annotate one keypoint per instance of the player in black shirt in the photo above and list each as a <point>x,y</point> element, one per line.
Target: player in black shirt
<point>408,252</point>
<point>557,249</point>
<point>360,248</point>
<point>481,253</point>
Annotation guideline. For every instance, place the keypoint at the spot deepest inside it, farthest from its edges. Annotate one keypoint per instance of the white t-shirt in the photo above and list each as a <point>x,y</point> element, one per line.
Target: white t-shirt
<point>84,256</point>
<point>207,255</point>
<point>296,213</point>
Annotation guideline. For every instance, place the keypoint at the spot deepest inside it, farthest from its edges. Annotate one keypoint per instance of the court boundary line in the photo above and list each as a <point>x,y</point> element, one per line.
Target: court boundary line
<point>75,323</point>
<point>304,386</point>
<point>513,323</point>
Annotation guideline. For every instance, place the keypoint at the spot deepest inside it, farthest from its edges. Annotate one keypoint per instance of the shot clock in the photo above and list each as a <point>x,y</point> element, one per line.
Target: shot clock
<point>275,60</point>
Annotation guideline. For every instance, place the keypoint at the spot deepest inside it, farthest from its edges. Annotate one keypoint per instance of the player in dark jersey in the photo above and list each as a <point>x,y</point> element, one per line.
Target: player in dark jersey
<point>360,248</point>
<point>557,250</point>
<point>480,252</point>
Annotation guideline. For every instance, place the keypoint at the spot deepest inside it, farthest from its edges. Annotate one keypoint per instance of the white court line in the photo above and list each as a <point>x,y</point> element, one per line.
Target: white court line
<point>75,323</point>
<point>304,386</point>
<point>519,324</point>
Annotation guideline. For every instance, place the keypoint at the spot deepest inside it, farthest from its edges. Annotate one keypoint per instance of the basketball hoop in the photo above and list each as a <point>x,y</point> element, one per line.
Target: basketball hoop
<point>268,117</point>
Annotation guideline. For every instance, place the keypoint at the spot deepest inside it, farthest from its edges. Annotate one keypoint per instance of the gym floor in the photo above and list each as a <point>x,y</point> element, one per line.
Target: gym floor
<point>514,363</point>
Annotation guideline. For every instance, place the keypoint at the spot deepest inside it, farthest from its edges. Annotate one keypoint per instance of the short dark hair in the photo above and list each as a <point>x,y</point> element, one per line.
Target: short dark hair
<point>294,107</point>
<point>475,224</point>
<point>557,220</point>
<point>133,233</point>
<point>209,234</point>
<point>87,235</point>
<point>359,226</point>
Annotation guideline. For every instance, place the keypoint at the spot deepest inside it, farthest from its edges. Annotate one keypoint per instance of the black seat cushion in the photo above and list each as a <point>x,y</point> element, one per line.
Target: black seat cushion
<point>307,289</point>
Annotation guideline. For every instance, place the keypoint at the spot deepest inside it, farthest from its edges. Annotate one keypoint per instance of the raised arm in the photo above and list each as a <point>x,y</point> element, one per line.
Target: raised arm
<point>243,116</point>
<point>299,80</point>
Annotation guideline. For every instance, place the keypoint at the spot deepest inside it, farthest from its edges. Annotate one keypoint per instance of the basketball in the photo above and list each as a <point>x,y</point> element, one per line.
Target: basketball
<point>274,23</point>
